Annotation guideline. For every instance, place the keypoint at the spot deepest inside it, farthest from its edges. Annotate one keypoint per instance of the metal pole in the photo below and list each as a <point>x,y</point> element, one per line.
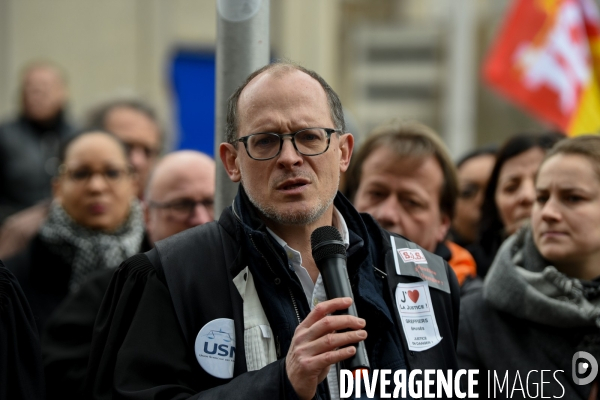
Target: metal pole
<point>462,77</point>
<point>242,47</point>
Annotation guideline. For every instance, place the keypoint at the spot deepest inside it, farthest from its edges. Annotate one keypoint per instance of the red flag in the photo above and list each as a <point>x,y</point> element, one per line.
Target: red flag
<point>544,60</point>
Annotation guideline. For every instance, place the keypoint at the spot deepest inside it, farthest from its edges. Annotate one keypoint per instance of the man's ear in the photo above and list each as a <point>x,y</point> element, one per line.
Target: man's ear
<point>346,144</point>
<point>229,155</point>
<point>444,228</point>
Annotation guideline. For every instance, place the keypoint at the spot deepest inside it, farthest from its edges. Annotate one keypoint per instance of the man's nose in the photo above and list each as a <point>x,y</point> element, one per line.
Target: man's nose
<point>389,214</point>
<point>289,155</point>
<point>137,157</point>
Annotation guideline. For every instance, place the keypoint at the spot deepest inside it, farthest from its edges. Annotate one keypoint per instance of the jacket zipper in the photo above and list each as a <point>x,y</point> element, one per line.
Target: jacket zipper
<point>277,344</point>
<point>289,290</point>
<point>294,304</point>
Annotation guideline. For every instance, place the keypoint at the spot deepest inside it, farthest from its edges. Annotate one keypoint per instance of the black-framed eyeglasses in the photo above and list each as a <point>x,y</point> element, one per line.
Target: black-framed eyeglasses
<point>309,142</point>
<point>183,209</point>
<point>83,175</point>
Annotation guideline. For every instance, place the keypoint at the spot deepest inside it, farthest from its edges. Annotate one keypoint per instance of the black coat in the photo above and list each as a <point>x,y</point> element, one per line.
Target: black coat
<point>28,161</point>
<point>21,374</point>
<point>67,338</point>
<point>67,335</point>
<point>143,345</point>
<point>44,277</point>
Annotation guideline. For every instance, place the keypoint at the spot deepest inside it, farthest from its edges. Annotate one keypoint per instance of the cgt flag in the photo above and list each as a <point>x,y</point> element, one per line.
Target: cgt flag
<point>546,58</point>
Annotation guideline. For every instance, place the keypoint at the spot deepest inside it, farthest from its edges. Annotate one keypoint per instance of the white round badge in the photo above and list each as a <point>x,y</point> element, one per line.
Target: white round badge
<point>215,347</point>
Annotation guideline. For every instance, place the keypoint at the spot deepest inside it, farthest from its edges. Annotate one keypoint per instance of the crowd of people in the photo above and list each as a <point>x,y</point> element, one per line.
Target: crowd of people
<point>115,276</point>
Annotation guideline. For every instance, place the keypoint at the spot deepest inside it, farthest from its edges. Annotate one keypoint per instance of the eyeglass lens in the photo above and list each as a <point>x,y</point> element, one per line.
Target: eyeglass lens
<point>308,142</point>
<point>109,174</point>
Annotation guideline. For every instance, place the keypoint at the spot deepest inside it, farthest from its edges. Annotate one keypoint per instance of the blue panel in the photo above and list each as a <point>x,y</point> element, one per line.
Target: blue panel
<point>193,78</point>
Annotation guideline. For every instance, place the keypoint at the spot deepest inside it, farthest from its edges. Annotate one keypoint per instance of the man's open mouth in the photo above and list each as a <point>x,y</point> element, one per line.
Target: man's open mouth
<point>292,184</point>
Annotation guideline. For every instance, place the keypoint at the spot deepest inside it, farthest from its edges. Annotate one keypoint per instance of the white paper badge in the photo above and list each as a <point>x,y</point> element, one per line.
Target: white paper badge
<point>215,347</point>
<point>417,316</point>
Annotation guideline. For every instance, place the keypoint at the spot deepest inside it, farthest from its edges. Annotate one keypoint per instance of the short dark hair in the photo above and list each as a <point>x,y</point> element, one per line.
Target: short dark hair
<point>406,139</point>
<point>489,150</point>
<point>282,66</point>
<point>66,144</point>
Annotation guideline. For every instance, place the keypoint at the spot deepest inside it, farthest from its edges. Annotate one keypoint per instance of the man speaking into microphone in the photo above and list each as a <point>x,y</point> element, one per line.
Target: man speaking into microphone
<point>237,309</point>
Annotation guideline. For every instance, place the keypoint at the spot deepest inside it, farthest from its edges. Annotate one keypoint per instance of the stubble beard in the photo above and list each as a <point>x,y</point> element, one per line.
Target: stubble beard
<point>292,217</point>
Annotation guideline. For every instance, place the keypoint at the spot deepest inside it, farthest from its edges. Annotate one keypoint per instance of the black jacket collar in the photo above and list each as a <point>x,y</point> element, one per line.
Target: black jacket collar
<point>369,244</point>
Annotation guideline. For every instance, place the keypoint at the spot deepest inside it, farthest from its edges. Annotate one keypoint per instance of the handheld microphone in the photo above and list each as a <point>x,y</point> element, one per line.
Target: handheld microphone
<point>329,253</point>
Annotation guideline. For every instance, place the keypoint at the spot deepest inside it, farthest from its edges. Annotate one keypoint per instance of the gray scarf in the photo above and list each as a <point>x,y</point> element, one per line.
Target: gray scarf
<point>88,250</point>
<point>521,283</point>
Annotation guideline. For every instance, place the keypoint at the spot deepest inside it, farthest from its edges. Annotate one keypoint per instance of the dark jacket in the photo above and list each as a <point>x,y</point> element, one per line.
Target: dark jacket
<point>44,276</point>
<point>21,373</point>
<point>67,338</point>
<point>147,319</point>
<point>28,161</point>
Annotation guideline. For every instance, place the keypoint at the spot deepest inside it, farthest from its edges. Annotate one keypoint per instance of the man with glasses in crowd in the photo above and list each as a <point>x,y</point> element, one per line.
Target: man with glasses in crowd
<point>137,125</point>
<point>237,309</point>
<point>180,194</point>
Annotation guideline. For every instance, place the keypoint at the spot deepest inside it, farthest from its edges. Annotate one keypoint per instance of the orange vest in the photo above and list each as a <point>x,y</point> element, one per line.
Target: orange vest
<point>461,261</point>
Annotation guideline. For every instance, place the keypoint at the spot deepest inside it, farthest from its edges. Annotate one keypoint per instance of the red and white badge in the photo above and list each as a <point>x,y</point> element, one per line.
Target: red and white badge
<point>413,262</point>
<point>412,255</point>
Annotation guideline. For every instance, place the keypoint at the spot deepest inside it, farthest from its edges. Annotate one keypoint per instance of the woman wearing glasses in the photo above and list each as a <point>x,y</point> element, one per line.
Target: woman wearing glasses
<point>94,223</point>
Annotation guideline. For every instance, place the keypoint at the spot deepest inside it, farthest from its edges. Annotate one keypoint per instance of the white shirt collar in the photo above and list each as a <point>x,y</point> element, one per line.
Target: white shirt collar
<point>337,221</point>
<point>315,291</point>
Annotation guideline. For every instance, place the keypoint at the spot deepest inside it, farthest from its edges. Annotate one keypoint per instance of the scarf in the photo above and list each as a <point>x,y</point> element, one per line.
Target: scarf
<point>88,250</point>
<point>521,283</point>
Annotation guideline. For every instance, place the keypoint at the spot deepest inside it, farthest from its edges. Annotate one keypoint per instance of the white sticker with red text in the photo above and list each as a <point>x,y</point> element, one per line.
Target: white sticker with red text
<point>413,262</point>
<point>417,316</point>
<point>412,255</point>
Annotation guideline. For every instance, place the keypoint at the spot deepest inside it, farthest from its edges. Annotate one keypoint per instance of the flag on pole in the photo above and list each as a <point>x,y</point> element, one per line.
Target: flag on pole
<point>546,58</point>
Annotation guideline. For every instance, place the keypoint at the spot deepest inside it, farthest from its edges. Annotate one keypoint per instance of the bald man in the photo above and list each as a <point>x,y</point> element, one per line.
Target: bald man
<point>179,196</point>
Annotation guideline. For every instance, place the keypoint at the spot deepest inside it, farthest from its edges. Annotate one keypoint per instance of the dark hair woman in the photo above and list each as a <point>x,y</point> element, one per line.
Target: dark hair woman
<point>473,171</point>
<point>540,303</point>
<point>95,222</point>
<point>509,194</point>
